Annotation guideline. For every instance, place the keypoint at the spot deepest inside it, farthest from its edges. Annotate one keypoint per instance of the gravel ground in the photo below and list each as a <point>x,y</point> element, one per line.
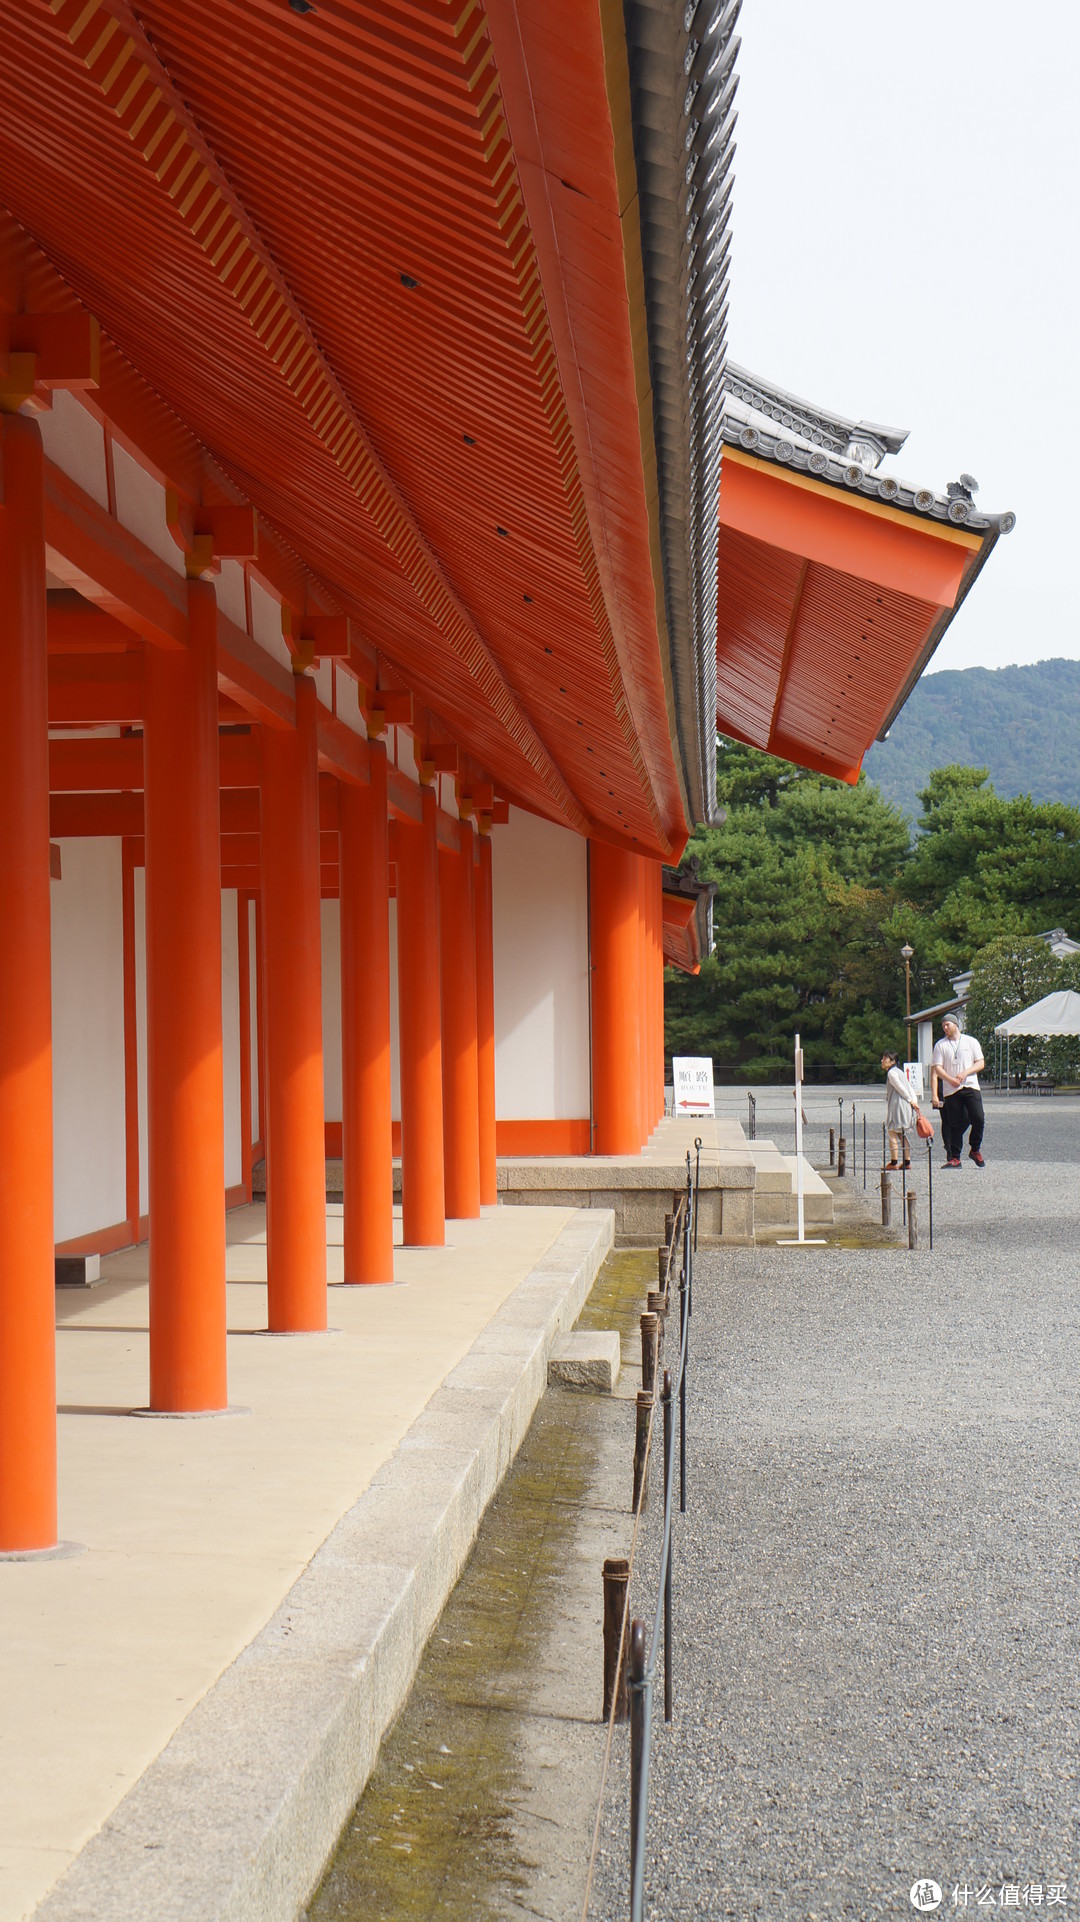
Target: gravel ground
<point>876,1582</point>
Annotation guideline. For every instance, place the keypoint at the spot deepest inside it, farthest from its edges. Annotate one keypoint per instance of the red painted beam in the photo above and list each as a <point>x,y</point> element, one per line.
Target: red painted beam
<point>85,690</point>
<point>76,626</point>
<point>92,553</point>
<point>117,765</point>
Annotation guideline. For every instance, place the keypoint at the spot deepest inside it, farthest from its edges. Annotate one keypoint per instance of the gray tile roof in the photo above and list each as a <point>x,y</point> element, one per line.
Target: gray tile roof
<point>775,426</point>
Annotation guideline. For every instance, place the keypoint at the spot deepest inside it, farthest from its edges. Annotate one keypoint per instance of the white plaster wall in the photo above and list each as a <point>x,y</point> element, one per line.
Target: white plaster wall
<point>395,1050</point>
<point>331,1002</point>
<point>88,1039</point>
<point>230,1035</point>
<point>229,588</point>
<point>540,907</point>
<point>347,701</point>
<point>331,1006</point>
<point>253,1008</point>
<point>140,507</point>
<point>230,1038</point>
<point>140,1034</point>
<point>75,442</point>
<point>266,624</point>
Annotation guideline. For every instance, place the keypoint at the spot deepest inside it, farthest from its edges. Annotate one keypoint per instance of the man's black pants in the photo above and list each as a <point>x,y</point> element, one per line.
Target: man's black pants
<point>960,1111</point>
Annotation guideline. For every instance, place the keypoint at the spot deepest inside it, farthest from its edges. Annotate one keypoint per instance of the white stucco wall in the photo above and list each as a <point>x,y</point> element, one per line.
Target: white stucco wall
<point>230,1038</point>
<point>331,1001</point>
<point>230,1035</point>
<point>540,904</point>
<point>253,1012</point>
<point>331,1007</point>
<point>88,1039</point>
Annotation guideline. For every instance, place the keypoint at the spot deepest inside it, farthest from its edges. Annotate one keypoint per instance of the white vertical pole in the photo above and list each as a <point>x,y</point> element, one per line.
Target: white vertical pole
<point>798,1136</point>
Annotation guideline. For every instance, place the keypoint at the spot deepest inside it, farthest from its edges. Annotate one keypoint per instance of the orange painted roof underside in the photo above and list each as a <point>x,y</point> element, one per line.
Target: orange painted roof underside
<point>826,604</point>
<point>235,190</point>
<point>682,948</point>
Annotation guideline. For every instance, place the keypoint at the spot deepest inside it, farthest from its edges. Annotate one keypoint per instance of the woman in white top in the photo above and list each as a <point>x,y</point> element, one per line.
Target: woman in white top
<point>900,1107</point>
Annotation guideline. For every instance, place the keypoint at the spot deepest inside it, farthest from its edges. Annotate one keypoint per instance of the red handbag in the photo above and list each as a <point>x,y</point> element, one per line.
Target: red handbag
<point>924,1127</point>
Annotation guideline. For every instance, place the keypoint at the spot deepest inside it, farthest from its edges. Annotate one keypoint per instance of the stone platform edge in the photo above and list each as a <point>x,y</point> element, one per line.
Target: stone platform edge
<point>238,1816</point>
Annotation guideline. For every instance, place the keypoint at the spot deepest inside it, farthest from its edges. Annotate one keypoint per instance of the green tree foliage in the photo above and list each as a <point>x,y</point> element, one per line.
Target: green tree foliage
<point>1009,975</point>
<point>806,871</point>
<point>819,887</point>
<point>984,868</point>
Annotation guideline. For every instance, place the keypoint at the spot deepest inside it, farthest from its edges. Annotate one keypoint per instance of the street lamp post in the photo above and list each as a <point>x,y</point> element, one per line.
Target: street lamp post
<point>907,952</point>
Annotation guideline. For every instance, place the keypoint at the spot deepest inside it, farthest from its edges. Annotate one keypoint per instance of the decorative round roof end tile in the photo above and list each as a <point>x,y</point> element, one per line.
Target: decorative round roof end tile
<point>784,450</point>
<point>748,436</point>
<point>818,462</point>
<point>888,489</point>
<point>924,499</point>
<point>854,474</point>
<point>1007,522</point>
<point>959,510</point>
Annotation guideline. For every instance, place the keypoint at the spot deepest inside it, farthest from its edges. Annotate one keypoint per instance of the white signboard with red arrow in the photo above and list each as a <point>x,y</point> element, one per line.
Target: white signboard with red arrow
<point>693,1078</point>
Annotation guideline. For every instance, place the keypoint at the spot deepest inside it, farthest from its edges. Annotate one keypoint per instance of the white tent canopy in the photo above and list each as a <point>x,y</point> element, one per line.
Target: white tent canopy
<point>1056,1014</point>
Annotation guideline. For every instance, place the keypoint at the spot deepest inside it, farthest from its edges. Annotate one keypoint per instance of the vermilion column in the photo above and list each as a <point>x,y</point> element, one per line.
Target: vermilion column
<point>615,955</point>
<point>27,1300</point>
<point>185,1118</point>
<point>658,990</point>
<point>419,1031</point>
<point>457,945</point>
<point>367,1141</point>
<point>644,999</point>
<point>485,1019</point>
<point>296,1141</point>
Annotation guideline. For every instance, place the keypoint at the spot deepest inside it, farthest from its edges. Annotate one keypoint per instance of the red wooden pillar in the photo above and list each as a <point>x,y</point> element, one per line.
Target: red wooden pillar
<point>642,1000</point>
<point>658,990</point>
<point>423,1218</point>
<point>485,1020</point>
<point>296,1142</point>
<point>457,945</point>
<point>614,947</point>
<point>367,1142</point>
<point>27,1301</point>
<point>186,1126</point>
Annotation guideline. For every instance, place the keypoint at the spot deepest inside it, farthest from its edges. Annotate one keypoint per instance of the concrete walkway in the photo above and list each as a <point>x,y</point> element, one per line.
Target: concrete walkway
<point>194,1531</point>
<point>878,1580</point>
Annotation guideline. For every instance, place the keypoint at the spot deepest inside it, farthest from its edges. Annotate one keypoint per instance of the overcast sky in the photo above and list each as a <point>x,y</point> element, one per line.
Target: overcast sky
<point>905,249</point>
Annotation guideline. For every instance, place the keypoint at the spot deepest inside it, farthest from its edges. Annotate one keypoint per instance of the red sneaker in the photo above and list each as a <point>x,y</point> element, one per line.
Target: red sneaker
<point>953,1162</point>
<point>975,1156</point>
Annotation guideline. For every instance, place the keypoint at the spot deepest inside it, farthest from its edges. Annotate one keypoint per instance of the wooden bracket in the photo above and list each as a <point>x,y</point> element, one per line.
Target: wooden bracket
<point>315,637</point>
<point>208,535</point>
<point>41,351</point>
<point>385,707</point>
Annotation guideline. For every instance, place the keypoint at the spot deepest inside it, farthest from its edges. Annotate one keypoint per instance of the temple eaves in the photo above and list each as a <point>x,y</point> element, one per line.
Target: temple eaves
<point>775,426</point>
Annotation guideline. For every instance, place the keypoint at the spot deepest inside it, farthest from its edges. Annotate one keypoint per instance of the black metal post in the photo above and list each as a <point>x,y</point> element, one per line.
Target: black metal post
<point>832,1147</point>
<point>684,1332</point>
<point>697,1182</point>
<point>665,1400</point>
<point>864,1151</point>
<point>930,1188</point>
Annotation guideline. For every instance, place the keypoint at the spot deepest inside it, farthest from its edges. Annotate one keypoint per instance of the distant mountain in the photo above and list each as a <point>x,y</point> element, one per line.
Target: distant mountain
<point>1023,723</point>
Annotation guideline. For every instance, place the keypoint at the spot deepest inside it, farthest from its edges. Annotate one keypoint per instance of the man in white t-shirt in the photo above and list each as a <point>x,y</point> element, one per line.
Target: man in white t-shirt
<point>954,1088</point>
